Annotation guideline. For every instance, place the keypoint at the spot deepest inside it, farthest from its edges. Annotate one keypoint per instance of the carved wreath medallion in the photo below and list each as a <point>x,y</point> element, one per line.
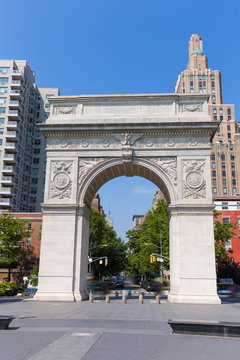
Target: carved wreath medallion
<point>61,184</point>
<point>194,184</point>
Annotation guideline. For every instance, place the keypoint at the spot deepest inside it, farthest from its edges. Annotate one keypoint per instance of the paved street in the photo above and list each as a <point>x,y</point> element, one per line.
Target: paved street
<point>111,331</point>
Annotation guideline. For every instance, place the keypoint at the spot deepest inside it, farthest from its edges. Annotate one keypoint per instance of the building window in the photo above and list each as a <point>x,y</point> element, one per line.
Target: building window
<point>35,171</point>
<point>213,166</point>
<point>2,110</point>
<point>213,84</point>
<point>33,190</point>
<point>233,173</point>
<point>213,156</point>
<point>36,151</point>
<point>222,157</point>
<point>223,165</point>
<point>34,181</point>
<point>200,90</point>
<point>225,207</point>
<point>2,120</point>
<point>229,111</point>
<point>214,173</point>
<point>212,77</point>
<point>204,90</point>
<point>229,117</point>
<point>191,90</point>
<point>47,106</point>
<point>3,100</point>
<point>224,190</point>
<point>213,97</point>
<point>3,90</point>
<point>215,117</point>
<point>232,157</point>
<point>213,91</point>
<point>225,219</point>
<point>204,83</point>
<point>214,190</point>
<point>3,80</point>
<point>221,111</point>
<point>191,83</point>
<point>191,76</point>
<point>200,84</point>
<point>224,173</point>
<point>221,117</point>
<point>203,76</point>
<point>49,95</point>
<point>183,77</point>
<point>229,135</point>
<point>4,69</point>
<point>214,111</point>
<point>29,226</point>
<point>214,181</point>
<point>233,165</point>
<point>228,244</point>
<point>200,77</point>
<point>234,181</point>
<point>35,160</point>
<point>238,206</point>
<point>224,181</point>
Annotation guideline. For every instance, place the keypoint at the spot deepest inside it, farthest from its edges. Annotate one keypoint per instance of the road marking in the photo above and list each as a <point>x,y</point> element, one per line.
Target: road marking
<point>81,334</point>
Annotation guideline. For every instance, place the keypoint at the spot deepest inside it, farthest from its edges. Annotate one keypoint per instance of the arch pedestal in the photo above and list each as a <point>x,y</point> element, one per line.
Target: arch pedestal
<point>93,139</point>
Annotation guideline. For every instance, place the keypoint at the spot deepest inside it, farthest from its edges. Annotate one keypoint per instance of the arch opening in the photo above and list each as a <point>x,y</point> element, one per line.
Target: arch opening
<point>109,170</point>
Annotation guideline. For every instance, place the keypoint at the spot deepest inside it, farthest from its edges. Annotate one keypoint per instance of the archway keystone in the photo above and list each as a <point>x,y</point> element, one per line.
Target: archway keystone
<point>164,138</point>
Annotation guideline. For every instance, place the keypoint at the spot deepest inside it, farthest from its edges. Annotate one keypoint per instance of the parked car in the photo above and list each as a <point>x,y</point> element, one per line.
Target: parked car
<point>225,286</point>
<point>120,284</point>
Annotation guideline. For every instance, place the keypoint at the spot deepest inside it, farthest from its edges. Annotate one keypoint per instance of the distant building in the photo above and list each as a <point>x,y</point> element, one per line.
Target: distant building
<point>96,204</point>
<point>137,221</point>
<point>229,209</point>
<point>225,160</point>
<point>22,145</point>
<point>34,224</point>
<point>109,219</point>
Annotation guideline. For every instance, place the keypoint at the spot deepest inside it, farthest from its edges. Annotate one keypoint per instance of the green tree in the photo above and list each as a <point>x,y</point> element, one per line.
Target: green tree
<point>13,247</point>
<point>149,233</point>
<point>100,233</point>
<point>222,232</point>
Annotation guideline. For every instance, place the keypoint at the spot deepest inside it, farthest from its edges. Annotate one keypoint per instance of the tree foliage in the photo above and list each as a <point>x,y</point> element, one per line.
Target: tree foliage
<point>222,232</point>
<point>100,233</point>
<point>149,233</point>
<point>13,247</point>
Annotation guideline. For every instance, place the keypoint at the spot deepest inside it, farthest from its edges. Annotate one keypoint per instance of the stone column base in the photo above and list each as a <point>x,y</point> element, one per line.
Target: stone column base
<point>81,296</point>
<point>54,296</point>
<point>194,299</point>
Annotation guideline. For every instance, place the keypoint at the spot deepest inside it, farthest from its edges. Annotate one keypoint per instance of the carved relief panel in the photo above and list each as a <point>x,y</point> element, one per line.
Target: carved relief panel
<point>194,183</point>
<point>61,180</point>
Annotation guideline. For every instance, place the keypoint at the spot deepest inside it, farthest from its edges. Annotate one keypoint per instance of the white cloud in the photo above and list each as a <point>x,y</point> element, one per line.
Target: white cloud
<point>142,190</point>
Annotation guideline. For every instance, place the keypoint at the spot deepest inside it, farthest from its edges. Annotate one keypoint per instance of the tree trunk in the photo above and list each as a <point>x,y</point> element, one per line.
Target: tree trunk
<point>9,274</point>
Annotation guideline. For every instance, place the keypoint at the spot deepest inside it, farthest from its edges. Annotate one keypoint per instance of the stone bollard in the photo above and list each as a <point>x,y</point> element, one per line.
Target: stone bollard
<point>124,298</point>
<point>91,297</point>
<point>116,294</point>
<point>130,295</point>
<point>158,299</point>
<point>107,299</point>
<point>141,299</point>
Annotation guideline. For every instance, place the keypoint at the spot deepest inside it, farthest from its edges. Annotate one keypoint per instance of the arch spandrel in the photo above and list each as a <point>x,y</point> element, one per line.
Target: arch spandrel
<point>95,172</point>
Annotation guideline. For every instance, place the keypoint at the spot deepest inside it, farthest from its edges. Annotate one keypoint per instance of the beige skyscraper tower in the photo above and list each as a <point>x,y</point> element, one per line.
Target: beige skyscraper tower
<point>198,79</point>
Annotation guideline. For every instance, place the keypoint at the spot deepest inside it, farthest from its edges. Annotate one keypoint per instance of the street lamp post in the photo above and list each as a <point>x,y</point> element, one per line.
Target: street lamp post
<point>90,254</point>
<point>160,225</point>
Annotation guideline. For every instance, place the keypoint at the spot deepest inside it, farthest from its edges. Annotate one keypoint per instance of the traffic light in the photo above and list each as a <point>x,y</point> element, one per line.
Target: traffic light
<point>106,261</point>
<point>152,259</point>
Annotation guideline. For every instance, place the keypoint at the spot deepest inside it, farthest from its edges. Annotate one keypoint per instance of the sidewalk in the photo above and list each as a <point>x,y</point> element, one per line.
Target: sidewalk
<point>111,331</point>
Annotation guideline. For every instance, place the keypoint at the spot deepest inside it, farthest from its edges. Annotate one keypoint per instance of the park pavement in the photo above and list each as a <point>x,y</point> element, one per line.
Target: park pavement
<point>51,330</point>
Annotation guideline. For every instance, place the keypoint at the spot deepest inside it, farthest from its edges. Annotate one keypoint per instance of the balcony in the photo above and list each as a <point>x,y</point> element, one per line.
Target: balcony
<point>8,180</point>
<point>8,170</point>
<point>6,191</point>
<point>16,94</point>
<point>15,104</point>
<point>14,114</point>
<point>9,158</point>
<point>10,146</point>
<point>17,74</point>
<point>12,136</point>
<point>6,203</point>
<point>17,84</point>
<point>13,125</point>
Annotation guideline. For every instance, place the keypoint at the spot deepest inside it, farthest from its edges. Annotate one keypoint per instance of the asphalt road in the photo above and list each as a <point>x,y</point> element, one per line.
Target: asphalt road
<point>103,331</point>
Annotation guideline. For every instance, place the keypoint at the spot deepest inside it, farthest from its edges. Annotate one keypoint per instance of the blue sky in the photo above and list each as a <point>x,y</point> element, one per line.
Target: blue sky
<point>121,46</point>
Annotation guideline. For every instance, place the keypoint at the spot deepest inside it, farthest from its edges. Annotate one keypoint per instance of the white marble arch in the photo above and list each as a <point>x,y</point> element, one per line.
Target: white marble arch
<point>164,138</point>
